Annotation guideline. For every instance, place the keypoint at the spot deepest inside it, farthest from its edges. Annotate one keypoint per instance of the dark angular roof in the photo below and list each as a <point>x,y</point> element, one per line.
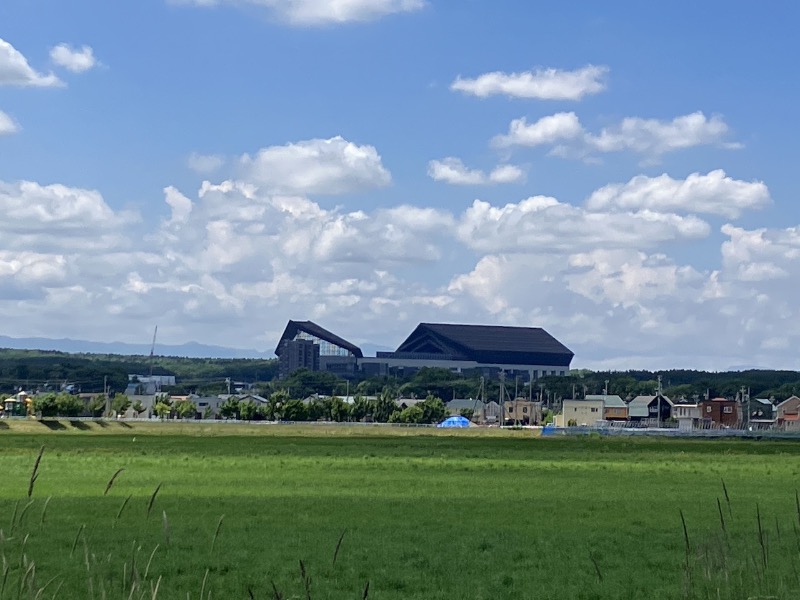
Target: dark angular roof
<point>491,344</point>
<point>294,327</point>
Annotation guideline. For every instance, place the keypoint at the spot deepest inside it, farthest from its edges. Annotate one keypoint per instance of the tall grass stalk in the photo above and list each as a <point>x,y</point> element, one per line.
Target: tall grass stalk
<point>153,499</point>
<point>44,510</point>
<point>121,508</point>
<point>216,534</point>
<point>24,510</point>
<point>203,585</point>
<point>77,537</point>
<point>35,472</point>
<point>338,546</point>
<point>306,580</point>
<point>727,498</point>
<point>165,523</point>
<point>761,540</point>
<point>111,481</point>
<point>150,561</point>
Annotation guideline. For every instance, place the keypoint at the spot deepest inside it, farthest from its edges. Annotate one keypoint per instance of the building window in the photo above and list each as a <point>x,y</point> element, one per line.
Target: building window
<point>594,409</point>
<point>708,409</point>
<point>727,409</point>
<point>524,409</point>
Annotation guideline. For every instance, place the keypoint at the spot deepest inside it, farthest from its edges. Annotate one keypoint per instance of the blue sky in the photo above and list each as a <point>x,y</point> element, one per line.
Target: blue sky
<point>621,175</point>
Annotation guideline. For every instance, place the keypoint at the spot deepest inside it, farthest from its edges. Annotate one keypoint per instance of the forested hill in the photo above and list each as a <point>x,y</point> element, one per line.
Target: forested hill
<point>35,369</point>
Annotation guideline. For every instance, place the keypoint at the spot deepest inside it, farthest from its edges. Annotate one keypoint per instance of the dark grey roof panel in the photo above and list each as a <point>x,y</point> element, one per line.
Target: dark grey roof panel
<point>491,344</point>
<point>294,327</point>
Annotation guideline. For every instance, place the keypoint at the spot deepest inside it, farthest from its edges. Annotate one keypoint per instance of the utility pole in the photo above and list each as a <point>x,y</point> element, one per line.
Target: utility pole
<point>659,401</point>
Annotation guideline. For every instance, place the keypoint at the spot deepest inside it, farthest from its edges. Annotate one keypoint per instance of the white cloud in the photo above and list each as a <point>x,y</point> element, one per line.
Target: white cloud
<point>654,137</point>
<point>649,137</point>
<point>506,174</point>
<point>713,193</point>
<point>322,12</point>
<point>452,170</point>
<point>545,131</point>
<point>231,263</point>
<point>205,164</point>
<point>540,84</point>
<point>15,70</point>
<point>56,216</point>
<point>541,223</point>
<point>7,124</point>
<point>318,166</point>
<point>72,59</point>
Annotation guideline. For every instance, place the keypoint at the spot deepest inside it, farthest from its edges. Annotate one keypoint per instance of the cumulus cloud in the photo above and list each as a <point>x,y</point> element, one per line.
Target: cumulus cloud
<point>539,84</point>
<point>232,262</point>
<point>541,223</point>
<point>317,166</point>
<point>712,193</point>
<point>7,124</point>
<point>205,164</point>
<point>321,12</point>
<point>39,216</point>
<point>453,171</point>
<point>73,59</point>
<point>649,137</point>
<point>547,130</point>
<point>15,70</point>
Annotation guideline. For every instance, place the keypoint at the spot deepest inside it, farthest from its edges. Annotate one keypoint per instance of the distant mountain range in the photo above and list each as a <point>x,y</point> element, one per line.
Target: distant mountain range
<point>188,350</point>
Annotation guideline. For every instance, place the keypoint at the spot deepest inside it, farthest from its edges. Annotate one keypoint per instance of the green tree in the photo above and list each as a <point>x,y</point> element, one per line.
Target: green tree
<point>97,405</point>
<point>230,408</point>
<point>360,408</point>
<point>248,410</point>
<point>45,405</point>
<point>433,410</point>
<point>385,405</point>
<point>467,413</point>
<point>411,414</point>
<point>186,409</point>
<point>120,404</point>
<point>162,409</point>
<point>138,407</point>
<point>294,410</point>
<point>69,405</point>
<point>339,410</point>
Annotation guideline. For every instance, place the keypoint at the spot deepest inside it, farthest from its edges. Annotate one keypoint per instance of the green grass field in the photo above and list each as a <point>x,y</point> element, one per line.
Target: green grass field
<point>466,514</point>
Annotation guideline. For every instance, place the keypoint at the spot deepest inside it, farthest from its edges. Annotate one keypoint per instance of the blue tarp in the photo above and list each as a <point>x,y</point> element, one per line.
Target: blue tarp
<point>455,422</point>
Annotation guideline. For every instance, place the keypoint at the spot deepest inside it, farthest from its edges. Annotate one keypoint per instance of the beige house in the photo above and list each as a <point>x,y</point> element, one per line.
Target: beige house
<point>581,413</point>
<point>788,414</point>
<point>522,412</point>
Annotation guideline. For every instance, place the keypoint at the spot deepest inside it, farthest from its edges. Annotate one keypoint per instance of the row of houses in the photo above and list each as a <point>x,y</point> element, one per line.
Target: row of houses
<point>660,411</point>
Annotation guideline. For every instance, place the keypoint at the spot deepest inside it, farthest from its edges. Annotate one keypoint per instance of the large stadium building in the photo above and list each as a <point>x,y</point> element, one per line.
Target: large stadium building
<point>525,352</point>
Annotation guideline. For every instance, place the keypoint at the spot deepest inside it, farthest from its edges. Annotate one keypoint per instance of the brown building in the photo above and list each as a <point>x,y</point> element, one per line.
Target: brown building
<point>522,412</point>
<point>720,412</point>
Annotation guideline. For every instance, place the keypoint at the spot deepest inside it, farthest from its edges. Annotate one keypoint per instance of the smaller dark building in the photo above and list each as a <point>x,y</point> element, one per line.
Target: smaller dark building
<point>297,354</point>
<point>720,412</point>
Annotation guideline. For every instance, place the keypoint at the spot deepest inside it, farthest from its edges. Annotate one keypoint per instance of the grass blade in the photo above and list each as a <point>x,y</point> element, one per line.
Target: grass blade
<point>111,481</point>
<point>121,508</point>
<point>77,537</point>
<point>276,595</point>
<point>216,534</point>
<point>727,498</point>
<point>35,472</point>
<point>366,591</point>
<point>153,500</point>
<point>44,509</point>
<point>338,545</point>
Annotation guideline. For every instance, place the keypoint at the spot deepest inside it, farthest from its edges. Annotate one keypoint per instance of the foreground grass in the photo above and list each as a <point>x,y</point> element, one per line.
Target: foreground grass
<point>460,515</point>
